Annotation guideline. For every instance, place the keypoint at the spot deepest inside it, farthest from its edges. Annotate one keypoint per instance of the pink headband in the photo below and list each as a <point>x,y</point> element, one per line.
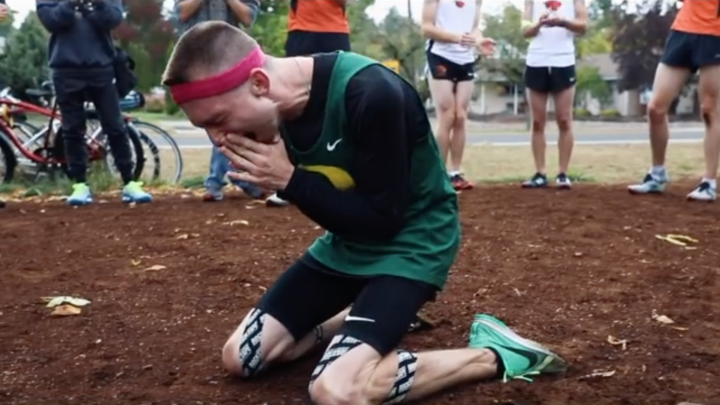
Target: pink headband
<point>219,83</point>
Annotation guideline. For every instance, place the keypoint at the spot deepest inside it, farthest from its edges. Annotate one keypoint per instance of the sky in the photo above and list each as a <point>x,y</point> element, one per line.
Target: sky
<point>377,12</point>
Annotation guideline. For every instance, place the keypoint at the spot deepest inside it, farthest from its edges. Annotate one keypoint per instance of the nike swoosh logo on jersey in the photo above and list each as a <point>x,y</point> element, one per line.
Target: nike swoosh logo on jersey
<point>331,146</point>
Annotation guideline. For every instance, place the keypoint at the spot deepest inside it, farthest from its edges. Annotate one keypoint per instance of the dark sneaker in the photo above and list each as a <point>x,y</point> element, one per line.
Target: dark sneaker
<point>536,181</point>
<point>563,182</point>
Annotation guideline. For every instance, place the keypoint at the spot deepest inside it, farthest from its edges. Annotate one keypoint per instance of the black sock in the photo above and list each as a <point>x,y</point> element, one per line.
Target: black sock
<point>500,365</point>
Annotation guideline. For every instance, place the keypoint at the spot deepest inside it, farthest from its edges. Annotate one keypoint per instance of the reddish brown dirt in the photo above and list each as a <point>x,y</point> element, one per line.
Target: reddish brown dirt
<point>567,269</point>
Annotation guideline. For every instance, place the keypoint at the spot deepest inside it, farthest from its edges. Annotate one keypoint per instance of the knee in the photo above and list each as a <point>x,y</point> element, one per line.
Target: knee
<point>326,390</point>
<point>656,111</point>
<point>241,354</point>
<point>709,111</point>
<point>564,124</point>
<point>538,126</point>
<point>460,117</point>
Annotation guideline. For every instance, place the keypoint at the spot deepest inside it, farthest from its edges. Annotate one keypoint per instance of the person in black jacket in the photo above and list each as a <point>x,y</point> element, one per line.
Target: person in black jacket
<point>82,59</point>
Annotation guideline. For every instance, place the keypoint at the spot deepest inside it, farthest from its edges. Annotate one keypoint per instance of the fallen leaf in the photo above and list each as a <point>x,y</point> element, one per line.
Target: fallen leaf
<point>683,237</point>
<point>132,205</point>
<point>599,373</point>
<point>662,318</point>
<point>237,222</point>
<point>135,262</point>
<point>56,301</point>
<point>66,310</point>
<point>156,267</point>
<point>183,236</point>
<point>617,342</point>
<point>681,328</point>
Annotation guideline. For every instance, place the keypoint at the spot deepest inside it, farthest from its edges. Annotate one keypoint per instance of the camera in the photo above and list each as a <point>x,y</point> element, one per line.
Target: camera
<point>83,5</point>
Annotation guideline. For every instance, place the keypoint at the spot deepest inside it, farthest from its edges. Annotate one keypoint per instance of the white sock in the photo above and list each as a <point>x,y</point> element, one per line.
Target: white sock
<point>452,173</point>
<point>712,182</point>
<point>657,170</point>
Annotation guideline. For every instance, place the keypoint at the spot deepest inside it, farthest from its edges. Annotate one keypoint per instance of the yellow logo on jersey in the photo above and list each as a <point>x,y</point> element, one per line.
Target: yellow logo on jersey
<point>337,176</point>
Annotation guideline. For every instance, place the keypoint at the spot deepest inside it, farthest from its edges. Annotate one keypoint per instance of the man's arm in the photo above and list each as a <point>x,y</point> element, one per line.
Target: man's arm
<point>579,24</point>
<point>186,8</point>
<point>244,10</point>
<point>106,14</point>
<point>55,15</point>
<point>376,207</point>
<point>429,30</point>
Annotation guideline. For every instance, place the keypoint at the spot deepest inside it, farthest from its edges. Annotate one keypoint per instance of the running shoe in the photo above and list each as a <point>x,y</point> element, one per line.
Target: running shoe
<point>134,193</point>
<point>80,195</point>
<point>703,192</point>
<point>521,358</point>
<point>651,184</point>
<point>459,182</point>
<point>562,181</point>
<point>538,180</point>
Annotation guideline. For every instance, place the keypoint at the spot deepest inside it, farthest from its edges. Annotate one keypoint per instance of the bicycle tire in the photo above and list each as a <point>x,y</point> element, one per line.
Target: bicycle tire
<point>147,129</point>
<point>152,146</point>
<point>7,158</point>
<point>135,146</point>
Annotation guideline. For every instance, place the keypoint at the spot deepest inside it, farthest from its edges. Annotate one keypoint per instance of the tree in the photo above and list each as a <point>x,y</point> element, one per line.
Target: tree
<point>589,83</point>
<point>509,60</point>
<point>401,40</point>
<point>596,41</point>
<point>24,63</point>
<point>270,27</point>
<point>638,40</point>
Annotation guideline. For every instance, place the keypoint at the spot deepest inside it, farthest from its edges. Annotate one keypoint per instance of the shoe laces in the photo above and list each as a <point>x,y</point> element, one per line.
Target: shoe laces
<point>524,377</point>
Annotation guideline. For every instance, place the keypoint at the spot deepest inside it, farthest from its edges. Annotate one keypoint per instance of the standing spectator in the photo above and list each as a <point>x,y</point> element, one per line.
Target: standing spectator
<point>314,26</point>
<point>3,17</point>
<point>551,27</point>
<point>82,59</point>
<point>234,12</point>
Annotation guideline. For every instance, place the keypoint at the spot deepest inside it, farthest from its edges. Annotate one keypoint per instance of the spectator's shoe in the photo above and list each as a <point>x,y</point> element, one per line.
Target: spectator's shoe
<point>275,201</point>
<point>651,184</point>
<point>562,181</point>
<point>459,183</point>
<point>80,195</point>
<point>521,358</point>
<point>538,180</point>
<point>133,193</point>
<point>213,194</point>
<point>704,192</point>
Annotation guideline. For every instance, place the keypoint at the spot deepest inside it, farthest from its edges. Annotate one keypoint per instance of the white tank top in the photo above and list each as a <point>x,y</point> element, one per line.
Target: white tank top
<point>552,46</point>
<point>456,16</point>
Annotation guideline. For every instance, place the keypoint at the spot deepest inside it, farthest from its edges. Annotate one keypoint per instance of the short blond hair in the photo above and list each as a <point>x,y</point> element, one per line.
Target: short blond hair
<point>207,48</point>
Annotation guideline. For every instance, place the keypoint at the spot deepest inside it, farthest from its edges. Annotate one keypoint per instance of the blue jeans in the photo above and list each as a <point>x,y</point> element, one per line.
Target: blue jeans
<point>219,166</point>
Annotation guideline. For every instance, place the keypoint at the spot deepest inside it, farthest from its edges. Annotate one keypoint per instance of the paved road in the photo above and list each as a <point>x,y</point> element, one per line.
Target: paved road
<point>189,138</point>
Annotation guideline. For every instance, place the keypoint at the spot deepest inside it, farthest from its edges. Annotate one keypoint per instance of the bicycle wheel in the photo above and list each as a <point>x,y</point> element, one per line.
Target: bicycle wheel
<point>136,150</point>
<point>166,154</point>
<point>8,161</point>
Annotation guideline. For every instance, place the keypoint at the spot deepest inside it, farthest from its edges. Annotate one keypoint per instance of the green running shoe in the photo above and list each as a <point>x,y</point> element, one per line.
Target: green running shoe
<point>521,357</point>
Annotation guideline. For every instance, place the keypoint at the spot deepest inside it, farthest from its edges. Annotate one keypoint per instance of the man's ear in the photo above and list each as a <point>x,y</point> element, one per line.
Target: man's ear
<point>259,82</point>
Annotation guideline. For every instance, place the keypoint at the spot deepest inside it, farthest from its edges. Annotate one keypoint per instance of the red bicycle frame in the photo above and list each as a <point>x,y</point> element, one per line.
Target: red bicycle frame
<point>18,106</point>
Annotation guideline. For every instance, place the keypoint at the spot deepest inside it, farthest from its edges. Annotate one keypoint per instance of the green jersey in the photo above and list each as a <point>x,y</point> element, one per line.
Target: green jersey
<point>425,247</point>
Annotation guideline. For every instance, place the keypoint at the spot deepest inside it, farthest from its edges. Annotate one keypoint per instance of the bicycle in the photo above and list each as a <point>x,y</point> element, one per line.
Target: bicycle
<point>149,134</point>
<point>44,148</point>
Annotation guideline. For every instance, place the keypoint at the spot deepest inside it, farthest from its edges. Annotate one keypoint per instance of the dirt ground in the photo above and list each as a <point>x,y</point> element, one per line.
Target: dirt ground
<point>566,269</point>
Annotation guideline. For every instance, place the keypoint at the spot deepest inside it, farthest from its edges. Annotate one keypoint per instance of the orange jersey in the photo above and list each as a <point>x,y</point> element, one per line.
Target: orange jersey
<point>317,16</point>
<point>699,17</point>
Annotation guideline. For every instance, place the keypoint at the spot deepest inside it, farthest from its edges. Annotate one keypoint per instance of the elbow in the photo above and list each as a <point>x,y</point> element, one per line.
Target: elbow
<point>427,30</point>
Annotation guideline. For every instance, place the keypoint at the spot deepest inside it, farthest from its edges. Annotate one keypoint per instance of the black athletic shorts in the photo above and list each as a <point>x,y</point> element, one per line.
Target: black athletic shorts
<point>691,51</point>
<point>443,69</point>
<point>302,43</point>
<point>383,307</point>
<point>549,80</point>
